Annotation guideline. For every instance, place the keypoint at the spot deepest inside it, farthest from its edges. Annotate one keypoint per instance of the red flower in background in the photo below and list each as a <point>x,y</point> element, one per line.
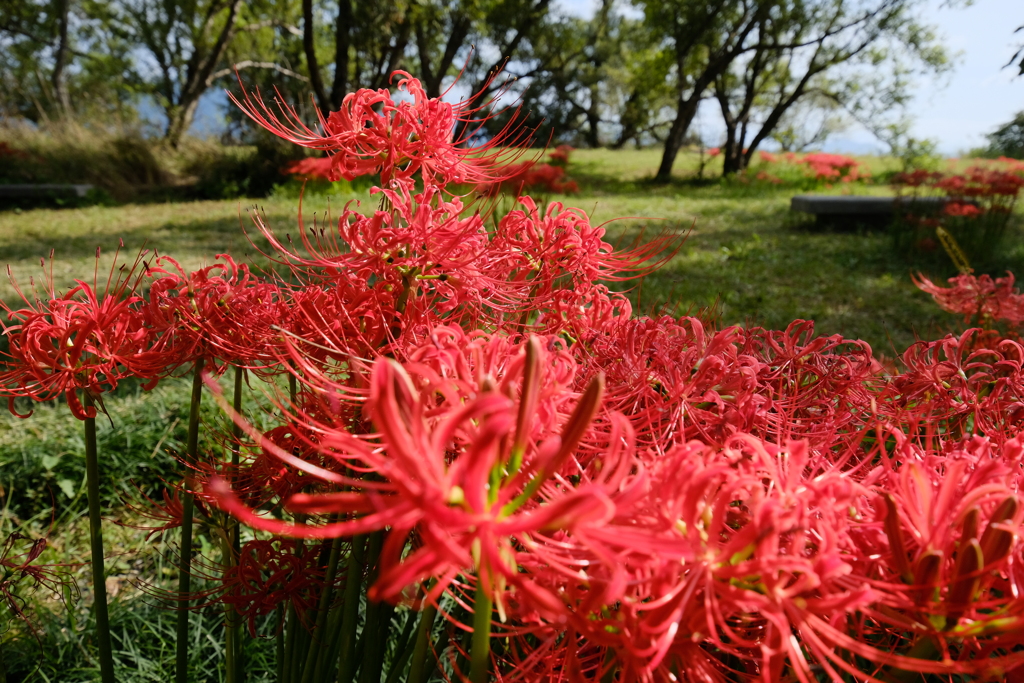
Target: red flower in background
<point>372,133</point>
<point>978,296</point>
<point>961,210</point>
<point>86,339</point>
<point>833,167</point>
<point>269,573</point>
<point>313,168</point>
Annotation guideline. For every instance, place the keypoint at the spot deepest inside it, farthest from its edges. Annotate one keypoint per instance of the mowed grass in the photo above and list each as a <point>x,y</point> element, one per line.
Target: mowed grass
<point>743,250</point>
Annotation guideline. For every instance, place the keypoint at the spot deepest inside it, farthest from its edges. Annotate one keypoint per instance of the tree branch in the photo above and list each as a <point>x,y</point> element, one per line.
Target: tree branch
<point>249,64</point>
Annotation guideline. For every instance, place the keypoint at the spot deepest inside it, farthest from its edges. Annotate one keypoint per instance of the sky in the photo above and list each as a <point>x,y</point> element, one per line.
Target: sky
<point>956,110</point>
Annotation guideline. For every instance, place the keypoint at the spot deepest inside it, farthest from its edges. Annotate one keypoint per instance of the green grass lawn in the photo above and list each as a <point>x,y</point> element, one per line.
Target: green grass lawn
<point>744,254</point>
<point>743,250</point>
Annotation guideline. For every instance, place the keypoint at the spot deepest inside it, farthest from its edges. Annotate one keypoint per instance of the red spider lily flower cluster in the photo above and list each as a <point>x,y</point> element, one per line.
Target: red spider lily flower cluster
<point>482,427</point>
<point>829,167</point>
<point>978,298</point>
<point>977,208</point>
<point>961,210</point>
<point>318,168</point>
<point>20,564</point>
<point>528,175</point>
<point>976,191</point>
<point>373,134</point>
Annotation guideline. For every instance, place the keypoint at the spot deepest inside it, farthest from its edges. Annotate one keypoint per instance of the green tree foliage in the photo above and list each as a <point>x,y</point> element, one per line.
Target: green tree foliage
<point>828,50</point>
<point>635,72</point>
<point>1008,139</point>
<point>182,47</point>
<point>59,58</point>
<point>1018,56</point>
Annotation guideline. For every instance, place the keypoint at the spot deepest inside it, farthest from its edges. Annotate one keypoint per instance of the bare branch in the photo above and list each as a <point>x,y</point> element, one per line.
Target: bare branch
<point>249,64</point>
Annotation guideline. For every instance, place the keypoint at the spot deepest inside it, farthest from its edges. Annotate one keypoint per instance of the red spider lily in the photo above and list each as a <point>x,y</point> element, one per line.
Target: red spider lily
<point>559,156</point>
<point>313,167</point>
<point>271,573</point>
<point>16,567</point>
<point>916,178</point>
<point>950,519</point>
<point>168,513</point>
<point>559,250</point>
<point>978,297</point>
<point>532,176</point>
<point>420,256</point>
<point>83,340</point>
<point>961,210</point>
<point>219,311</point>
<point>372,133</point>
<point>832,167</point>
<point>549,177</point>
<point>434,464</point>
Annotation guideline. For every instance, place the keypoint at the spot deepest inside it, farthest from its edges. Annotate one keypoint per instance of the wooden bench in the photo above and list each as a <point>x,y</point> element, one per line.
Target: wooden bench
<point>44,190</point>
<point>849,212</point>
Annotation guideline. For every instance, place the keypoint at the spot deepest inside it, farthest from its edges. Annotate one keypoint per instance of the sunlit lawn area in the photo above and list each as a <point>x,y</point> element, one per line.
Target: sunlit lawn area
<point>744,249</point>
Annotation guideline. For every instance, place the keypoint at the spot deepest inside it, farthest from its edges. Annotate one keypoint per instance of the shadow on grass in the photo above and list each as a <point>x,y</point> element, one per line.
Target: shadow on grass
<point>849,284</point>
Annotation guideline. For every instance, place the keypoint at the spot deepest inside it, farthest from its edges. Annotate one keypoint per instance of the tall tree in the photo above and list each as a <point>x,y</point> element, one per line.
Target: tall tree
<point>815,48</point>
<point>59,59</point>
<point>367,41</point>
<point>184,43</point>
<point>182,47</point>
<point>705,36</point>
<point>443,30</point>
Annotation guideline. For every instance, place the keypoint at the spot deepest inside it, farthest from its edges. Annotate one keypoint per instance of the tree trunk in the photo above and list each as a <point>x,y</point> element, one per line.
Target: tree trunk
<point>686,111</point>
<point>198,80</point>
<point>179,120</point>
<point>312,65</point>
<point>342,41</point>
<point>60,60</point>
<point>433,78</point>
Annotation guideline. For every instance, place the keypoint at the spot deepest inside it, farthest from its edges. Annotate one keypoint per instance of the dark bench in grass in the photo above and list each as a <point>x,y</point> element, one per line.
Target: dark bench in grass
<point>45,191</point>
<point>849,213</point>
<point>44,194</point>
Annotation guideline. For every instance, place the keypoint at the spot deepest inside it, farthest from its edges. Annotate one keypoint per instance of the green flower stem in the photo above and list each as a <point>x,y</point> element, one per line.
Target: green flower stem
<point>233,627</point>
<point>375,650</point>
<point>480,652</point>
<point>230,646</point>
<point>323,611</point>
<point>403,651</point>
<point>99,580</point>
<point>279,643</point>
<point>291,631</point>
<point>370,641</point>
<point>188,504</point>
<point>421,651</point>
<point>292,644</point>
<point>350,618</point>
